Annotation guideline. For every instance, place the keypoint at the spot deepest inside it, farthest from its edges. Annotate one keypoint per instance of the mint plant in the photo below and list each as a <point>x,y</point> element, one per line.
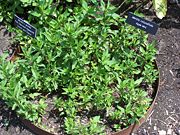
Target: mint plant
<point>88,58</point>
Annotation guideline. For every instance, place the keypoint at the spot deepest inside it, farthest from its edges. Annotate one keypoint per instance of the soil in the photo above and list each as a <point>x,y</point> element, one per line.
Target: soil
<point>165,117</point>
<point>4,39</point>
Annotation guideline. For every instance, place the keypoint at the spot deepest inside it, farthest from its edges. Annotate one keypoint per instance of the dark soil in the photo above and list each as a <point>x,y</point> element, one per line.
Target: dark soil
<point>10,124</point>
<point>4,38</point>
<point>165,117</point>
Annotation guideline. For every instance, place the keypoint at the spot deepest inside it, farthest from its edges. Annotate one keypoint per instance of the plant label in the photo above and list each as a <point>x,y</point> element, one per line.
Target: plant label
<point>25,26</point>
<point>142,24</point>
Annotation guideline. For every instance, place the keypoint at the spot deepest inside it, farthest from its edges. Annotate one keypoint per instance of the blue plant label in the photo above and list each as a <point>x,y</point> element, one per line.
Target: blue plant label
<point>142,24</point>
<point>25,26</point>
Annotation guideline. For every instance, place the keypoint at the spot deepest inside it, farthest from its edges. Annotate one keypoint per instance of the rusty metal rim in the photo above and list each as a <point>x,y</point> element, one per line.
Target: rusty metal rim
<point>125,131</point>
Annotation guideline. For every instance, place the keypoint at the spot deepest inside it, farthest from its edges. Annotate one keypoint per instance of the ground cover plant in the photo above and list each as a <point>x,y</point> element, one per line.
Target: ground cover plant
<point>86,66</point>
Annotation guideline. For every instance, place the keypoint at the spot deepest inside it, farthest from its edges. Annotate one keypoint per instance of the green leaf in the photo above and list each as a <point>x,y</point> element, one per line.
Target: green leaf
<point>84,4</point>
<point>34,13</point>
<point>115,16</point>
<point>137,82</point>
<point>14,106</point>
<point>25,80</point>
<point>35,74</point>
<point>69,0</point>
<point>33,95</point>
<point>17,90</point>
<point>96,119</point>
<point>160,7</point>
<point>1,18</point>
<point>74,65</point>
<point>24,1</point>
<point>48,36</point>
<point>39,59</point>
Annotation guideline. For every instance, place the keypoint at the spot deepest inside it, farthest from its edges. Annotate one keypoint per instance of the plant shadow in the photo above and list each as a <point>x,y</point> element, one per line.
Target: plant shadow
<point>5,31</point>
<point>10,122</point>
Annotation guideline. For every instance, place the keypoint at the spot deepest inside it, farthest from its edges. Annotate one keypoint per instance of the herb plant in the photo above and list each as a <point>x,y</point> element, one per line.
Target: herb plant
<point>88,58</point>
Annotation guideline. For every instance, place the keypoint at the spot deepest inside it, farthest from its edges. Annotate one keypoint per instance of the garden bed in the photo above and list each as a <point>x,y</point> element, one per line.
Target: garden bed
<point>160,45</point>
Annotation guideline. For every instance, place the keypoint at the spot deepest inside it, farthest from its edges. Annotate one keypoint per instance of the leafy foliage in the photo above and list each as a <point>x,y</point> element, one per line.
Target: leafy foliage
<point>160,7</point>
<point>89,57</point>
